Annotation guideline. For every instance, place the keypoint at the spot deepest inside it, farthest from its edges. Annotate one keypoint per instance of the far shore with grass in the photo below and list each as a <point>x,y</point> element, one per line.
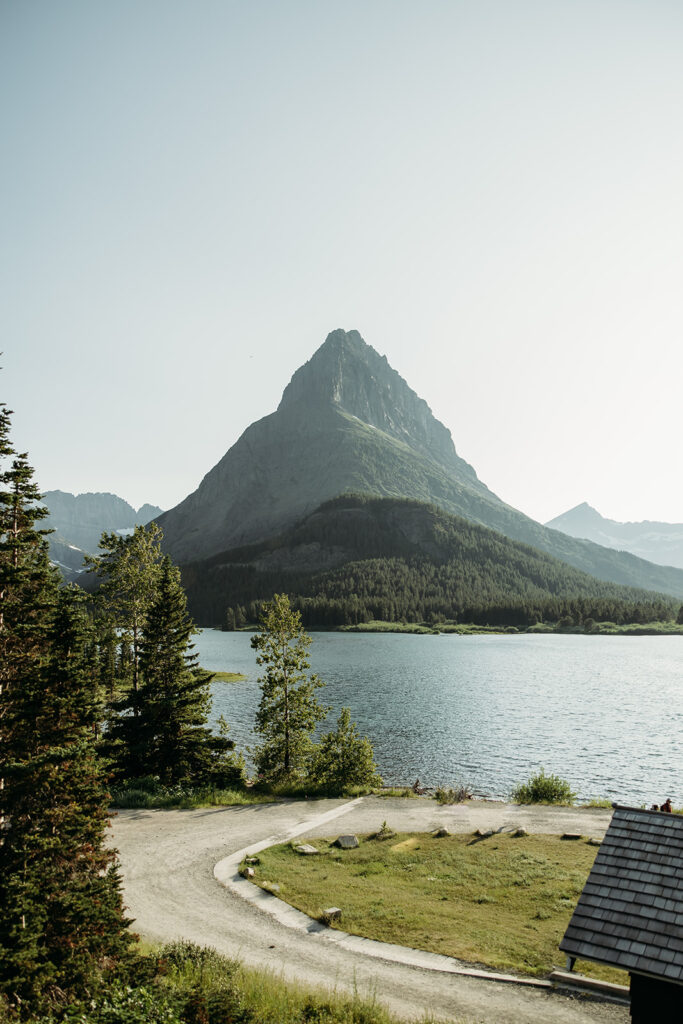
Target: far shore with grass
<point>471,629</point>
<point>227,677</point>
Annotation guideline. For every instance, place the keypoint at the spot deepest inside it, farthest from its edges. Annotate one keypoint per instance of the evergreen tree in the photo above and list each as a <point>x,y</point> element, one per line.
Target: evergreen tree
<point>161,728</point>
<point>343,758</point>
<point>679,620</point>
<point>289,710</point>
<point>62,917</point>
<point>130,569</point>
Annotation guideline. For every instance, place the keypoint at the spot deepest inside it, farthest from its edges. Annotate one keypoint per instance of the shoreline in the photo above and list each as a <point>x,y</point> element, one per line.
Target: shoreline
<point>470,629</point>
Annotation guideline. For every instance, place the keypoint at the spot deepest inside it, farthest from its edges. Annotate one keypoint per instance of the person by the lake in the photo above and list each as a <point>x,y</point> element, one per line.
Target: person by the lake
<point>666,806</point>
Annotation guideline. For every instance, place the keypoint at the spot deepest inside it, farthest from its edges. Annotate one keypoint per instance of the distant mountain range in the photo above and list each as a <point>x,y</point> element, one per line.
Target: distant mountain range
<point>79,521</point>
<point>661,543</point>
<point>348,423</point>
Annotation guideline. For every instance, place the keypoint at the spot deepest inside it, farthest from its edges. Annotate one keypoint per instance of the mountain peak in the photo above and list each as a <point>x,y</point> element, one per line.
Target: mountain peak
<point>350,376</point>
<point>323,376</point>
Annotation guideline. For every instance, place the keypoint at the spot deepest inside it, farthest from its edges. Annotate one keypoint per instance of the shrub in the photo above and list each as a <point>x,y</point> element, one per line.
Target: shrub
<point>452,795</point>
<point>544,789</point>
<point>343,758</point>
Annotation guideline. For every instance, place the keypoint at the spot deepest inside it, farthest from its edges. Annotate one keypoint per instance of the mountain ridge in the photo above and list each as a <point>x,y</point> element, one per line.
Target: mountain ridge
<point>78,521</point>
<point>655,541</point>
<point>389,558</point>
<point>347,422</point>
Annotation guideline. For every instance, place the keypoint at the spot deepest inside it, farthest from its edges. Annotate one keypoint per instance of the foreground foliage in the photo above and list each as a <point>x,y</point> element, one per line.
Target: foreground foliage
<point>62,928</point>
<point>502,901</point>
<point>182,983</point>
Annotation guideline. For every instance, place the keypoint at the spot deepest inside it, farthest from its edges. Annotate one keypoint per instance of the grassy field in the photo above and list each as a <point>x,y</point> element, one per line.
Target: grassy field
<point>502,901</point>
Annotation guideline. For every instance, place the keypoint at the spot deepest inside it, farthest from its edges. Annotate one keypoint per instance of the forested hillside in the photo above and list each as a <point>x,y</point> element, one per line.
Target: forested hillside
<point>360,558</point>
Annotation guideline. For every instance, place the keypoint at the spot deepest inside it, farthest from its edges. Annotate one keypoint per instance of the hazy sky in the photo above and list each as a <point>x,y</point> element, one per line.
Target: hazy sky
<point>195,193</point>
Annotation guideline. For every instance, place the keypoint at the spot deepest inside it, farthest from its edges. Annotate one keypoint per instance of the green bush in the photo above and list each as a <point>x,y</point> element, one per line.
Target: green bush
<point>343,758</point>
<point>544,789</point>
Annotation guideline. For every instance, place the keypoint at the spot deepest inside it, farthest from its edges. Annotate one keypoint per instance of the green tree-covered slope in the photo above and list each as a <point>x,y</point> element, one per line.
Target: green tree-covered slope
<point>358,558</point>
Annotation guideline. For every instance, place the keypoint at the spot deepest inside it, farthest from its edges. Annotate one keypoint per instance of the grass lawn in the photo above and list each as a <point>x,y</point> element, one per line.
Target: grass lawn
<point>502,901</point>
<point>228,677</point>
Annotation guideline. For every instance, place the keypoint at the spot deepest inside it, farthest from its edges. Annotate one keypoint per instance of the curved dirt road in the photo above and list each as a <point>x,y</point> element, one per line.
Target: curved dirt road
<point>168,857</point>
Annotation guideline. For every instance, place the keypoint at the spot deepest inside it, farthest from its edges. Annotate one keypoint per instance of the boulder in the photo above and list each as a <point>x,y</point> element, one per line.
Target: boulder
<point>519,833</point>
<point>331,914</point>
<point>571,835</point>
<point>306,849</point>
<point>594,842</point>
<point>252,860</point>
<point>247,872</point>
<point>346,842</point>
<point>272,887</point>
<point>440,833</point>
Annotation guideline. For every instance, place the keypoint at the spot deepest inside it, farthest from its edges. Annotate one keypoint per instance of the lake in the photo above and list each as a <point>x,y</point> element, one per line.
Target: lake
<point>603,712</point>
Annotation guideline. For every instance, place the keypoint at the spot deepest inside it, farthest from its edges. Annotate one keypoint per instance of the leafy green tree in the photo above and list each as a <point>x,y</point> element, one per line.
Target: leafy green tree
<point>343,758</point>
<point>679,620</point>
<point>62,925</point>
<point>289,710</point>
<point>160,728</point>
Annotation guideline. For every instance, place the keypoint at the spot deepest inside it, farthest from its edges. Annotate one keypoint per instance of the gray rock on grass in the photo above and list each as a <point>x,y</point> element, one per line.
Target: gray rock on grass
<point>346,842</point>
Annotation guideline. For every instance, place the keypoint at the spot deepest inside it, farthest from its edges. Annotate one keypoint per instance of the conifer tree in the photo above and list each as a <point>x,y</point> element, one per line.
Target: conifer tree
<point>289,710</point>
<point>62,917</point>
<point>130,569</point>
<point>161,727</point>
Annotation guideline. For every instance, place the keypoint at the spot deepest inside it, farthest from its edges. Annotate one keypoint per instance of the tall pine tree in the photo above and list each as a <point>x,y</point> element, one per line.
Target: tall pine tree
<point>289,709</point>
<point>130,570</point>
<point>62,923</point>
<point>160,728</point>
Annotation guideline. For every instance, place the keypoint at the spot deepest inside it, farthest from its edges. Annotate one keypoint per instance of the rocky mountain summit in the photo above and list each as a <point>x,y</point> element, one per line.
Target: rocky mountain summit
<point>661,543</point>
<point>349,424</point>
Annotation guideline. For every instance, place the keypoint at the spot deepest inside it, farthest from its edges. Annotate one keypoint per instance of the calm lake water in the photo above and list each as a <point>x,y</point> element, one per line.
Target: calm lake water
<point>606,713</point>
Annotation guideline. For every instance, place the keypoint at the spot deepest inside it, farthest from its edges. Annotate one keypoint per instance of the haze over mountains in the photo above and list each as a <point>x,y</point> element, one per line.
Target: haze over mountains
<point>348,423</point>
<point>661,543</point>
<point>79,521</point>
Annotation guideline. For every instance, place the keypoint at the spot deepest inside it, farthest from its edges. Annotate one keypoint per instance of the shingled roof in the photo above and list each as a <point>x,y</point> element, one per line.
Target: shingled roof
<point>630,913</point>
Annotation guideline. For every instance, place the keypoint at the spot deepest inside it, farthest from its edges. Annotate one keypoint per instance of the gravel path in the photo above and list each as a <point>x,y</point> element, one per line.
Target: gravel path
<point>168,859</point>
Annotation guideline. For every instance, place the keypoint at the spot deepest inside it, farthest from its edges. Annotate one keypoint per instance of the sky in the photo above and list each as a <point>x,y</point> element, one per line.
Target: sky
<point>193,195</point>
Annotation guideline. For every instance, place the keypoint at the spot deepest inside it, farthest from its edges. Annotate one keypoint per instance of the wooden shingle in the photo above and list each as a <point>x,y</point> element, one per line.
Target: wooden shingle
<point>630,913</point>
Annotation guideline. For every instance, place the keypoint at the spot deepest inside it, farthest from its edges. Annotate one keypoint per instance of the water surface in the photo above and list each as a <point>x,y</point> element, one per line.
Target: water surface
<point>606,713</point>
